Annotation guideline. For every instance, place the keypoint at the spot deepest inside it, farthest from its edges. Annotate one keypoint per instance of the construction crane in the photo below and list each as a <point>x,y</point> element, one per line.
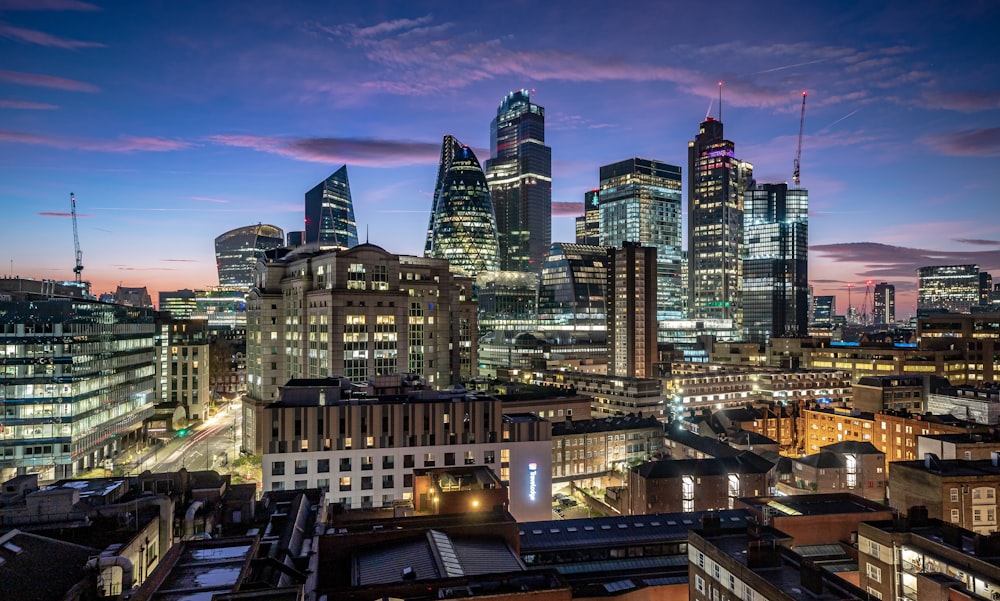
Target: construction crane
<point>798,153</point>
<point>78,269</point>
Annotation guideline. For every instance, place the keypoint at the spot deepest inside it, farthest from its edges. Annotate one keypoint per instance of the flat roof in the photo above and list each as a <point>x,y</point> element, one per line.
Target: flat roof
<point>818,504</point>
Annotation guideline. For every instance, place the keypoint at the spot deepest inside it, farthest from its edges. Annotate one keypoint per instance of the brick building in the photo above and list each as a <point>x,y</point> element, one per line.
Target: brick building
<point>696,484</point>
<point>956,491</point>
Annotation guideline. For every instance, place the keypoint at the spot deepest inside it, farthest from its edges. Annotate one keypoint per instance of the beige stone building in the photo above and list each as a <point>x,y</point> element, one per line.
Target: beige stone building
<point>586,451</point>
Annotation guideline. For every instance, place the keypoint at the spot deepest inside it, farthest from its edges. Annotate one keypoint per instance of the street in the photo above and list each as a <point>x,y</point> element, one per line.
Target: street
<point>212,445</point>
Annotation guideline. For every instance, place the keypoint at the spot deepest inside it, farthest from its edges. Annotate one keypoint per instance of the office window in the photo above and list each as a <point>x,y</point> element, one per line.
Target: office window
<point>345,483</point>
<point>366,483</point>
<point>278,468</point>
<point>345,464</point>
<point>449,459</point>
<point>301,466</point>
<point>388,462</point>
<point>387,481</point>
<point>322,466</point>
<point>323,484</point>
<point>954,495</point>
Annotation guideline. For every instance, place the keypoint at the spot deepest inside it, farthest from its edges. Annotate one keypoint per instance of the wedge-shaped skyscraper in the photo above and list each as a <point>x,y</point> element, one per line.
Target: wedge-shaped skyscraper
<point>463,227</point>
<point>330,213</point>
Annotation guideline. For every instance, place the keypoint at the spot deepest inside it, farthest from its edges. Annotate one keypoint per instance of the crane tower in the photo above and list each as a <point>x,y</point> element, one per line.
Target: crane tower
<point>798,153</point>
<point>78,268</point>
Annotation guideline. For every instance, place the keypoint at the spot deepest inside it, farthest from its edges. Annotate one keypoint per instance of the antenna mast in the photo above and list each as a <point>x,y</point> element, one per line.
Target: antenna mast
<point>798,153</point>
<point>78,269</point>
<point>720,101</point>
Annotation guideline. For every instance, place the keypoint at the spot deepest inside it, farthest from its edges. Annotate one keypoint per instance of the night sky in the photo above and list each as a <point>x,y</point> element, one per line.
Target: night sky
<point>175,121</point>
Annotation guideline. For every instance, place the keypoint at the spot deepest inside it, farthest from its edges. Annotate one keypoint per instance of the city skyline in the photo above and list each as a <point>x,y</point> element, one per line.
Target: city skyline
<point>179,130</point>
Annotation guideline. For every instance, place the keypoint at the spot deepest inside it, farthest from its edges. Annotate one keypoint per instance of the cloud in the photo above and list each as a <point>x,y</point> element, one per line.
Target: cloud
<point>964,101</point>
<point>181,260</point>
<point>391,26</point>
<point>57,214</point>
<point>207,199</point>
<point>54,5</point>
<point>977,241</point>
<point>356,151</point>
<point>969,142</point>
<point>888,261</point>
<point>26,105</point>
<point>122,144</point>
<point>41,38</point>
<point>567,209</point>
<point>39,80</point>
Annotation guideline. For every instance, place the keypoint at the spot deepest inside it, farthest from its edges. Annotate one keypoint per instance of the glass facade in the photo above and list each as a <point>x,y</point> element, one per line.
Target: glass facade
<point>238,251</point>
<point>775,270</point>
<point>519,173</point>
<point>77,375</point>
<point>330,213</point>
<point>884,304</point>
<point>588,227</point>
<point>640,201</point>
<point>716,184</point>
<point>508,301</point>
<point>947,288</point>
<point>463,227</point>
<point>571,296</point>
<point>824,309</point>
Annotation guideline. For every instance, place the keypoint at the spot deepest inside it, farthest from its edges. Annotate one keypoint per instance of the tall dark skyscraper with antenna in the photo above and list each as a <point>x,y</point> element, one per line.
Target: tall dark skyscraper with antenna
<point>330,213</point>
<point>716,183</point>
<point>519,173</point>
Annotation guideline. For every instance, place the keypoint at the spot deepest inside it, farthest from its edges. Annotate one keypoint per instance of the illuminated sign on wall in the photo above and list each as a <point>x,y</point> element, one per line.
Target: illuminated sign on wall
<point>532,481</point>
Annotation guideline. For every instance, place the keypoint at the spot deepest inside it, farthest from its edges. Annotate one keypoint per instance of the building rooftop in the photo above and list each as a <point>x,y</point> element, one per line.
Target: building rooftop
<point>952,467</point>
<point>822,459</point>
<point>28,560</point>
<point>554,535</point>
<point>852,446</point>
<point>747,438</point>
<point>704,444</point>
<point>744,463</point>
<point>818,504</point>
<point>607,424</point>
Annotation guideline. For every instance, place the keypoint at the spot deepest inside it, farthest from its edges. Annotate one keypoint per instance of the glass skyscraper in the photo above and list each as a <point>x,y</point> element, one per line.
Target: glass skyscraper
<point>571,296</point>
<point>588,227</point>
<point>716,183</point>
<point>462,226</point>
<point>330,213</point>
<point>884,304</point>
<point>519,173</point>
<point>947,289</point>
<point>640,201</point>
<point>775,262</point>
<point>238,251</point>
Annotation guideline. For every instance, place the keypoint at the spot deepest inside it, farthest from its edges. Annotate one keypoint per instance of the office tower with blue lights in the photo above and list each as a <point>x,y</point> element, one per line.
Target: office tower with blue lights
<point>588,226</point>
<point>640,202</point>
<point>947,289</point>
<point>462,227</point>
<point>519,172</point>
<point>884,304</point>
<point>238,251</point>
<point>775,262</point>
<point>716,185</point>
<point>330,213</point>
<point>631,308</point>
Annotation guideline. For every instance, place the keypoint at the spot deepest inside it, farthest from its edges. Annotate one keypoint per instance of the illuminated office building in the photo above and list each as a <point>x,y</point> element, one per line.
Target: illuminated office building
<point>775,262</point>
<point>78,383</point>
<point>238,251</point>
<point>571,296</point>
<point>985,288</point>
<point>180,304</point>
<point>330,213</point>
<point>507,300</point>
<point>947,289</point>
<point>462,228</point>
<point>588,227</point>
<point>631,308</point>
<point>824,309</point>
<point>884,304</point>
<point>640,201</point>
<point>519,173</point>
<point>716,185</point>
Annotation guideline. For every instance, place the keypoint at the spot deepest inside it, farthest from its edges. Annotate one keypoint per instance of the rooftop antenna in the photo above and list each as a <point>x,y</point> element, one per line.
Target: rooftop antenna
<point>366,233</point>
<point>720,101</point>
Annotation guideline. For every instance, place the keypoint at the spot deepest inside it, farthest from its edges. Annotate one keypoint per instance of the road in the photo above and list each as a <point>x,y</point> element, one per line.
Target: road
<point>208,446</point>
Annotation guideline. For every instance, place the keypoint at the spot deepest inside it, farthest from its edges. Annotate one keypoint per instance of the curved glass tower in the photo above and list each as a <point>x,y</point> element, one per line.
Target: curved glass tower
<point>463,227</point>
<point>330,213</point>
<point>237,252</point>
<point>572,292</point>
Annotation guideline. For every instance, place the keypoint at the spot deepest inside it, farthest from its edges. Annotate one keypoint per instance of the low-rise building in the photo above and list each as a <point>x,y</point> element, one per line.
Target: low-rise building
<point>588,450</point>
<point>957,491</point>
<point>611,395</point>
<point>363,450</point>
<point>893,393</point>
<point>980,404</point>
<point>959,446</point>
<point>856,467</point>
<point>696,484</point>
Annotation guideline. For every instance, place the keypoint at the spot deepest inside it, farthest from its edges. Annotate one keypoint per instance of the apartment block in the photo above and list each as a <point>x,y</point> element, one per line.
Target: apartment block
<point>958,491</point>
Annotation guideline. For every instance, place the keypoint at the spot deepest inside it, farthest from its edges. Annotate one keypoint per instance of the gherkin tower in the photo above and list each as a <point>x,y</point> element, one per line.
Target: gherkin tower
<point>463,227</point>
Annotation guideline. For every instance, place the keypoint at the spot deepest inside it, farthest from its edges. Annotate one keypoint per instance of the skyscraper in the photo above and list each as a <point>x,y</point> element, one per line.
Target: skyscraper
<point>588,227</point>
<point>824,309</point>
<point>462,226</point>
<point>775,269</point>
<point>238,251</point>
<point>640,201</point>
<point>716,185</point>
<point>947,289</point>
<point>571,297</point>
<point>519,173</point>
<point>330,213</point>
<point>631,306</point>
<point>884,304</point>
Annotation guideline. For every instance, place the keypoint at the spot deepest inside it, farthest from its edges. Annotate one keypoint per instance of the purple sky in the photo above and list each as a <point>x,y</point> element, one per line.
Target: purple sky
<point>176,121</point>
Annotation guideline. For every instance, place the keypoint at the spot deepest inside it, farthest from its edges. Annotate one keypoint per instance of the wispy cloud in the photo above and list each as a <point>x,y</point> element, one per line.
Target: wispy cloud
<point>357,151</point>
<point>53,5</point>
<point>33,36</point>
<point>567,209</point>
<point>888,261</point>
<point>964,101</point>
<point>969,142</point>
<point>57,214</point>
<point>977,241</point>
<point>39,80</point>
<point>180,260</point>
<point>207,199</point>
<point>26,105</point>
<point>122,144</point>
